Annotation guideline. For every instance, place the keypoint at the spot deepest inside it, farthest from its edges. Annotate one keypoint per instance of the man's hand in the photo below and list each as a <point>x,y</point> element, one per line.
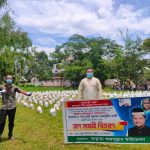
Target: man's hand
<point>3,91</point>
<point>29,93</point>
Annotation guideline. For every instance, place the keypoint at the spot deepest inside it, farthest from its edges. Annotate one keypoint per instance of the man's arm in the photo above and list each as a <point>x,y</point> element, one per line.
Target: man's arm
<point>23,92</point>
<point>2,90</point>
<point>99,89</point>
<point>80,90</point>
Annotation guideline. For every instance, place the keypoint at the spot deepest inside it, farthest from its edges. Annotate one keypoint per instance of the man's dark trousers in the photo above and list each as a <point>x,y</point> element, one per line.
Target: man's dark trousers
<point>11,117</point>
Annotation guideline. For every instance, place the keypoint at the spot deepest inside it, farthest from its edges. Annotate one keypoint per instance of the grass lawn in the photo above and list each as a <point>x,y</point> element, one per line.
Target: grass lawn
<point>34,131</point>
<point>47,88</point>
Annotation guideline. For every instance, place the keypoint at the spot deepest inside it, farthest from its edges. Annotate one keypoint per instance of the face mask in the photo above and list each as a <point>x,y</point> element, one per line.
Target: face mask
<point>8,81</point>
<point>89,75</point>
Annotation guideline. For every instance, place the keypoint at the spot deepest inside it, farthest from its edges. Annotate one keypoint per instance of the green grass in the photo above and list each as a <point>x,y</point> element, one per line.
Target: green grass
<point>34,131</point>
<point>47,88</point>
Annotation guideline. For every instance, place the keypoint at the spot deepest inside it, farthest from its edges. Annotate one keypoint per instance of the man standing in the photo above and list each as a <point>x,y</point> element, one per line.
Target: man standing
<point>8,91</point>
<point>139,129</point>
<point>90,87</point>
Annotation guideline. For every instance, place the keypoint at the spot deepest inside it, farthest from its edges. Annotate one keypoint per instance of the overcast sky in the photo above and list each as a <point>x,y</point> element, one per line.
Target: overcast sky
<point>52,22</point>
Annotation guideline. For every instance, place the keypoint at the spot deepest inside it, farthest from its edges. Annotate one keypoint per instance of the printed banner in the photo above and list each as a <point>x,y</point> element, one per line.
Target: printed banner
<point>118,120</point>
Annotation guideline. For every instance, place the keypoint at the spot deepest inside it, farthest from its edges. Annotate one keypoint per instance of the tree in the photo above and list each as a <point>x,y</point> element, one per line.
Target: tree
<point>87,52</point>
<point>11,37</point>
<point>146,45</point>
<point>2,3</point>
<point>14,46</point>
<point>41,67</point>
<point>133,57</point>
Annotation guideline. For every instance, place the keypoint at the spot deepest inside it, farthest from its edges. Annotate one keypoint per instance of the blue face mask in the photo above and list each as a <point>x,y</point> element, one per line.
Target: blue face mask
<point>89,75</point>
<point>8,81</point>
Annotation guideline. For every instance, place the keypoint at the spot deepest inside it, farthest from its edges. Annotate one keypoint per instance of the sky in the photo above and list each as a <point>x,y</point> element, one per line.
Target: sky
<point>52,22</point>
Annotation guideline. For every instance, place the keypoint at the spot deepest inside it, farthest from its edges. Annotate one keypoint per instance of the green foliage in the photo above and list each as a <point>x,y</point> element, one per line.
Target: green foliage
<point>2,3</point>
<point>87,52</point>
<point>6,62</point>
<point>146,74</point>
<point>41,88</point>
<point>14,44</point>
<point>11,37</point>
<point>40,67</point>
<point>146,45</point>
<point>133,61</point>
<point>106,57</point>
<point>73,73</point>
<point>27,85</point>
<point>15,56</point>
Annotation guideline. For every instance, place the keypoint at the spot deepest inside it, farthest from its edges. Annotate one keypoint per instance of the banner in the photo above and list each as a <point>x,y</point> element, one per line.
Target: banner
<point>118,120</point>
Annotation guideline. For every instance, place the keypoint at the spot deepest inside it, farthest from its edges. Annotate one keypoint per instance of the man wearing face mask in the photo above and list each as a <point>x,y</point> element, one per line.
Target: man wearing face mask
<point>90,87</point>
<point>8,91</point>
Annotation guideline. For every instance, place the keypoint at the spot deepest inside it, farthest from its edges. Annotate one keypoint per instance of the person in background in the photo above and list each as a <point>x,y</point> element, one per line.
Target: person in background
<point>90,88</point>
<point>130,85</point>
<point>8,91</point>
<point>139,118</point>
<point>146,105</point>
<point>116,86</point>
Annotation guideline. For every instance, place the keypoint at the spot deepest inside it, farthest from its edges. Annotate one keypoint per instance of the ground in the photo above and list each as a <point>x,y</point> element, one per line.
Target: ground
<point>34,131</point>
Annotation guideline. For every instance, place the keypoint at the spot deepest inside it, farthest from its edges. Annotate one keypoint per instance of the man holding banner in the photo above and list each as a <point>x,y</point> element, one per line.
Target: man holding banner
<point>90,87</point>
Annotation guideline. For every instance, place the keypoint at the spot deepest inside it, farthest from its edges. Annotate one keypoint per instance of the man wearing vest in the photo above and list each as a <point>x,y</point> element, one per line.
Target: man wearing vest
<point>8,91</point>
